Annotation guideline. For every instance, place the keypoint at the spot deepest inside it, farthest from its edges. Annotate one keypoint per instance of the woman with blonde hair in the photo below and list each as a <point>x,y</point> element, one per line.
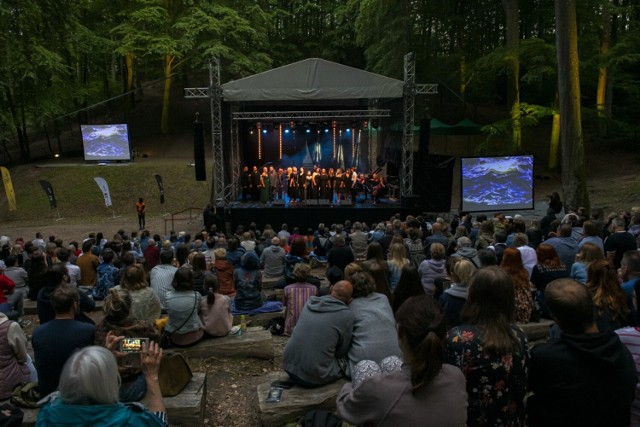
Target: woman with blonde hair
<point>396,262</point>
<point>145,304</point>
<point>608,297</point>
<point>433,268</point>
<point>588,252</point>
<point>453,299</point>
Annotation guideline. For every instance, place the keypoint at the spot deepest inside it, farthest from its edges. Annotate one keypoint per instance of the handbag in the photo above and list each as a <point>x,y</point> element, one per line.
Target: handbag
<point>26,395</point>
<point>174,373</point>
<point>165,336</point>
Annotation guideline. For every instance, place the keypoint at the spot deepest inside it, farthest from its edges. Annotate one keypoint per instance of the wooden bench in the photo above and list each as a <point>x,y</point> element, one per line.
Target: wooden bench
<point>185,409</point>
<point>537,330</point>
<point>31,307</point>
<point>296,401</point>
<point>260,319</point>
<point>256,342</point>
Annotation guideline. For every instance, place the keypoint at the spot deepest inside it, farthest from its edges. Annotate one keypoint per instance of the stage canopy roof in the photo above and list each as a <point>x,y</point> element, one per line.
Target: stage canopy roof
<point>312,79</point>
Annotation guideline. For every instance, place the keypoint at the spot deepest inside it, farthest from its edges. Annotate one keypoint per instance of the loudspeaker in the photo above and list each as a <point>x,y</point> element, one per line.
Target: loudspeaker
<point>312,202</point>
<point>411,203</point>
<point>424,138</point>
<point>198,151</point>
<point>433,179</point>
<point>278,202</point>
<point>324,202</point>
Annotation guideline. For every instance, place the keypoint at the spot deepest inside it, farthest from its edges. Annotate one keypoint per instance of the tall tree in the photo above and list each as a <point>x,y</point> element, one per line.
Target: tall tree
<point>574,174</point>
<point>511,9</point>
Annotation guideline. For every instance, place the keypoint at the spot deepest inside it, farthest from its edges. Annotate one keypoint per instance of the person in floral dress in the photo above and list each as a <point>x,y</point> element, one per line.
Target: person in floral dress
<point>492,351</point>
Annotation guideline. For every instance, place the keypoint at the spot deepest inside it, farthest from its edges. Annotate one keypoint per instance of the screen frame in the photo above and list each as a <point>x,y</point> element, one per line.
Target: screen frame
<point>491,209</point>
<point>106,159</point>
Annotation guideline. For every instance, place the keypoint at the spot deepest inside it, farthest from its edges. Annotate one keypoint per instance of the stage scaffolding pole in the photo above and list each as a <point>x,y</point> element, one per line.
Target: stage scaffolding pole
<point>214,93</point>
<point>411,89</point>
<point>235,157</point>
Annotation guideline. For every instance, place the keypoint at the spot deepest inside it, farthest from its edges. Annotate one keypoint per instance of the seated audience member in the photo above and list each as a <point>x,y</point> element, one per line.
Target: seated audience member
<point>548,269</point>
<point>16,366</point>
<point>436,237</point>
<point>414,247</point>
<point>397,261</point>
<point>18,275</point>
<point>491,351</point>
<point>248,283</point>
<point>408,286</point>
<point>272,262</point>
<point>339,255</point>
<point>373,323</point>
<point>618,242</point>
<point>380,278</point>
<point>432,269</point>
<point>375,255</point>
<point>583,377</point>
<point>488,257</point>
<point>88,264</point>
<point>54,278</point>
<point>224,273</point>
<point>485,236</point>
<point>152,253</point>
<point>11,302</point>
<point>145,304</point>
<point>588,252</point>
<point>608,297</point>
<point>566,246</point>
<point>296,296</point>
<point>453,299</point>
<point>234,252</point>
<point>57,339</point>
<point>215,310</point>
<point>630,271</point>
<point>161,276</point>
<point>423,391</point>
<point>630,337</point>
<point>512,264</point>
<point>358,241</point>
<point>591,235</point>
<point>200,271</point>
<point>316,353</point>
<point>464,249</point>
<point>89,387</point>
<point>119,322</point>
<point>184,324</point>
<point>529,257</point>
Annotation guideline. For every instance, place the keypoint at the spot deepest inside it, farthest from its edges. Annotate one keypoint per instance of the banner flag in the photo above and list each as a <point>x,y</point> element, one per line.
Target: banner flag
<point>46,186</point>
<point>104,187</point>
<point>8,187</point>
<point>160,187</point>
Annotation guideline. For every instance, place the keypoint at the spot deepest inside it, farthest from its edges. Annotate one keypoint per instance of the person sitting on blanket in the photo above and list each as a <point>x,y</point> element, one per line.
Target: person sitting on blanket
<point>316,353</point>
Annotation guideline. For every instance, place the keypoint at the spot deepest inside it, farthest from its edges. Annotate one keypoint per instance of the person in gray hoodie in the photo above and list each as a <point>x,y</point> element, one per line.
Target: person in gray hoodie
<point>272,263</point>
<point>316,353</point>
<point>465,250</point>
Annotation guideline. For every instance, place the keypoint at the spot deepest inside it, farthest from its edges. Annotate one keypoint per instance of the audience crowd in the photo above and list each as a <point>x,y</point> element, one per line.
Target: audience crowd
<point>422,314</point>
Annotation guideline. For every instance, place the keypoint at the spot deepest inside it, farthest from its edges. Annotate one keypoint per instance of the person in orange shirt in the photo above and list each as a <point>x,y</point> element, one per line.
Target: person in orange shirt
<point>140,209</point>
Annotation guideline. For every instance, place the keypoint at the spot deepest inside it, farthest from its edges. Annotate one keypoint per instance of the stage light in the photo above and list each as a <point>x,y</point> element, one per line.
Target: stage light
<point>56,155</point>
<point>287,130</point>
<point>326,130</point>
<point>251,132</point>
<point>264,131</point>
<point>348,129</point>
<point>308,131</point>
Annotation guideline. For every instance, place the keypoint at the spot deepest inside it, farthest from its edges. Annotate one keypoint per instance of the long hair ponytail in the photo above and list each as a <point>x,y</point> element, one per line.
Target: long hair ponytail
<point>421,328</point>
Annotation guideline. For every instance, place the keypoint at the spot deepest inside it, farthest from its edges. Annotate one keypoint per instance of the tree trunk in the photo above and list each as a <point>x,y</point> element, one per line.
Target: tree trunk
<point>22,143</point>
<point>603,72</point>
<point>129,64</point>
<point>555,142</point>
<point>164,123</point>
<point>574,174</point>
<point>511,9</point>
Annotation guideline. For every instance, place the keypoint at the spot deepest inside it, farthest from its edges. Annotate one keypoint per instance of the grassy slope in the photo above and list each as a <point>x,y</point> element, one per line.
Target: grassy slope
<point>78,196</point>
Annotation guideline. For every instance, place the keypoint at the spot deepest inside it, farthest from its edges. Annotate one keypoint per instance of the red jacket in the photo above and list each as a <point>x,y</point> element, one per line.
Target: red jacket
<point>6,284</point>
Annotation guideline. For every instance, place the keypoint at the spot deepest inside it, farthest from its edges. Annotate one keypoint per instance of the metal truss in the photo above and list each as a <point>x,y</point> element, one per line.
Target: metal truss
<point>411,89</point>
<point>311,115</point>
<point>219,192</point>
<point>235,159</point>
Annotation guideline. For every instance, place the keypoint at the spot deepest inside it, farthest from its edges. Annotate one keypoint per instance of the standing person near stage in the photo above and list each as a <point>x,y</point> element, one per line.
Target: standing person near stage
<point>325,187</point>
<point>315,182</point>
<point>332,183</point>
<point>292,183</point>
<point>264,185</point>
<point>140,207</point>
<point>281,183</point>
<point>309,185</point>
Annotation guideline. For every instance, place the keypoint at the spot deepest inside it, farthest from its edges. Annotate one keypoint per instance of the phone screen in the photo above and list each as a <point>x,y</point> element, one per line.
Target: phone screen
<point>132,345</point>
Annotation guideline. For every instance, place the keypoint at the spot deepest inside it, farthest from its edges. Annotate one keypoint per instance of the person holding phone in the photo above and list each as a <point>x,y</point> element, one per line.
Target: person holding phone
<point>89,390</point>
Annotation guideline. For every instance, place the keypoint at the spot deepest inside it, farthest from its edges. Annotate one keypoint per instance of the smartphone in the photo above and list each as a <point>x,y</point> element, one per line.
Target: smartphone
<point>133,345</point>
<point>282,384</point>
<point>274,395</point>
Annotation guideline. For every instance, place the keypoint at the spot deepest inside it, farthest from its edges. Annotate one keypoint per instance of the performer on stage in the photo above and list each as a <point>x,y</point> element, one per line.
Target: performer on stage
<point>325,187</point>
<point>339,185</point>
<point>332,183</point>
<point>302,184</point>
<point>309,185</point>
<point>273,181</point>
<point>255,184</point>
<point>292,183</point>
<point>245,182</point>
<point>379,187</point>
<point>315,183</point>
<point>282,183</point>
<point>264,185</point>
<point>348,185</point>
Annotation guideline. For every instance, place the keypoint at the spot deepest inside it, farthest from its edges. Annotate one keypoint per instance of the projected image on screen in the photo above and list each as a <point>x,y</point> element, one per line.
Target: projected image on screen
<point>105,142</point>
<point>497,183</point>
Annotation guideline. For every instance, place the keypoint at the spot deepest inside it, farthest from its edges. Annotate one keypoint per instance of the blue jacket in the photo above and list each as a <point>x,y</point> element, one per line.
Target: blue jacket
<point>60,414</point>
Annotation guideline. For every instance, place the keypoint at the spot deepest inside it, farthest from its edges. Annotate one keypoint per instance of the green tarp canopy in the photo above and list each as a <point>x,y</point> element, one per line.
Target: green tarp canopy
<point>438,128</point>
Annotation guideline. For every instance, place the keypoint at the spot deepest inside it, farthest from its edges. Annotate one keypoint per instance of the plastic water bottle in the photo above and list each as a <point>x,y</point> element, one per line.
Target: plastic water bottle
<point>243,323</point>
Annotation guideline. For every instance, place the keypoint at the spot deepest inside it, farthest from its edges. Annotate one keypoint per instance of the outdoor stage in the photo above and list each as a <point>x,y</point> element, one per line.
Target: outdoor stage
<point>306,216</point>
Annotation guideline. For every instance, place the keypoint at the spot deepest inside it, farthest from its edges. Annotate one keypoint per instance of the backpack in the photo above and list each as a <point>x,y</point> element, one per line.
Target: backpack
<point>276,326</point>
<point>416,252</point>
